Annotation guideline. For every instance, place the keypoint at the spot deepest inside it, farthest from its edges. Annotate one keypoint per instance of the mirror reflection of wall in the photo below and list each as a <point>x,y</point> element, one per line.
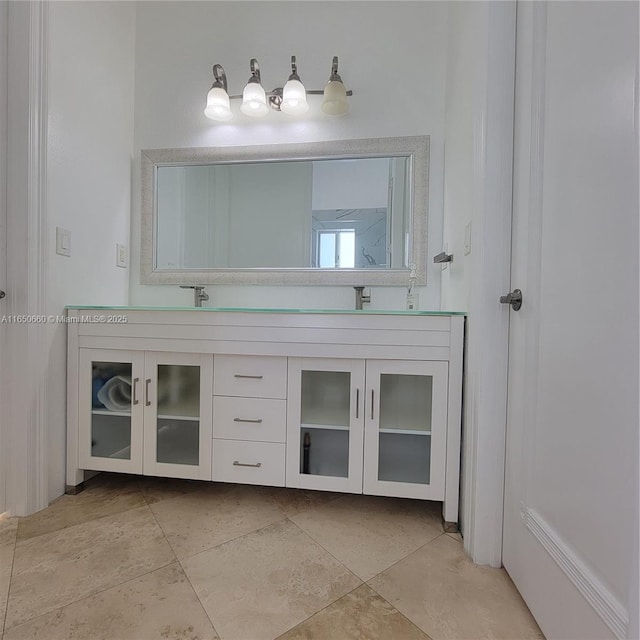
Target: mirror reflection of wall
<point>347,214</point>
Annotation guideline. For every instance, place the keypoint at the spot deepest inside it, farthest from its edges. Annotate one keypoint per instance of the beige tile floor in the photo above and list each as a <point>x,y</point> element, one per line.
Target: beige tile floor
<point>143,558</point>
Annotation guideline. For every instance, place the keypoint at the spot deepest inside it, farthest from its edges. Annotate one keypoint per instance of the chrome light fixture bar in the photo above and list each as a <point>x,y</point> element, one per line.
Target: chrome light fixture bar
<point>292,99</point>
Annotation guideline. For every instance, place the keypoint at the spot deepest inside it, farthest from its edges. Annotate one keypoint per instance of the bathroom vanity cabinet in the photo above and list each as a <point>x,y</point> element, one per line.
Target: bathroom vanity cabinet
<point>358,402</point>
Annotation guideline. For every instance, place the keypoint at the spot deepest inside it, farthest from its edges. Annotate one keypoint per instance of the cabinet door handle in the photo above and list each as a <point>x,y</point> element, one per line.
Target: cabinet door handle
<point>236,463</point>
<point>240,375</point>
<point>253,420</point>
<point>372,392</point>
<point>134,393</point>
<point>147,402</point>
<point>357,403</point>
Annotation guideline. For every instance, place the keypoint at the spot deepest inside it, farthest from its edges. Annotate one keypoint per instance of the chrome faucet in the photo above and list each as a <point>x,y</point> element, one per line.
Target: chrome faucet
<point>199,294</point>
<point>361,298</point>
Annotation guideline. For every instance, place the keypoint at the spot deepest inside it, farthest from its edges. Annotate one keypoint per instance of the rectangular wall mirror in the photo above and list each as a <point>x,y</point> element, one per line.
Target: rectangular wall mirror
<point>348,212</point>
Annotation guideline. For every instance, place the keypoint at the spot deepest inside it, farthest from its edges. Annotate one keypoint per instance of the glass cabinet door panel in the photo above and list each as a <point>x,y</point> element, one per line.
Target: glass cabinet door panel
<point>325,424</point>
<point>406,428</point>
<point>111,397</point>
<point>325,416</point>
<point>404,458</point>
<point>324,452</point>
<point>110,410</point>
<point>326,398</point>
<point>405,402</point>
<point>178,416</point>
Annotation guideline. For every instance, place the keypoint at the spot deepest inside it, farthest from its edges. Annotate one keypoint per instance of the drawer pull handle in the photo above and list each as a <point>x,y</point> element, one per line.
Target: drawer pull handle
<point>147,402</point>
<point>254,421</point>
<point>134,399</point>
<point>240,375</point>
<point>236,463</point>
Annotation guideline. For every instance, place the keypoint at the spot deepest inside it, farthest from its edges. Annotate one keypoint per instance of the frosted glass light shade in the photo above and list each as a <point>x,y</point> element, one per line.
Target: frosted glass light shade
<point>254,101</point>
<point>294,98</point>
<point>218,107</point>
<point>335,101</point>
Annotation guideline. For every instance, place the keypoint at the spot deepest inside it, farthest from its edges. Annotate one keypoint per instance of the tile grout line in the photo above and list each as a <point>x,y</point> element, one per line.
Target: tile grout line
<point>306,533</point>
<point>422,546</point>
<point>90,595</point>
<point>115,513</point>
<point>295,626</point>
<point>443,533</point>
<point>186,575</point>
<point>347,568</point>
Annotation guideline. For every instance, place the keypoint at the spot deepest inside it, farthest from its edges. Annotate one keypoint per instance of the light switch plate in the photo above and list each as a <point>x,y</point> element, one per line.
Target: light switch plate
<point>63,242</point>
<point>122,256</point>
<point>467,239</point>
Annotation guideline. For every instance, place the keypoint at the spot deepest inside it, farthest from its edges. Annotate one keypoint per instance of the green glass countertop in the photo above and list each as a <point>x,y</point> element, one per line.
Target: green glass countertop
<point>256,310</point>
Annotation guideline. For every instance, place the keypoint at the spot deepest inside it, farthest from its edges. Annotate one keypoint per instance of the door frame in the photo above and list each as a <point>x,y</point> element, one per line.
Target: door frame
<point>487,339</point>
<point>24,406</point>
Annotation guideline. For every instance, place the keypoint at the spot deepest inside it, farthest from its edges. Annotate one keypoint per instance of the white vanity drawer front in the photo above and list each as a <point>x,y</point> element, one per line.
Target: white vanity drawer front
<point>249,462</point>
<point>256,419</point>
<point>250,376</point>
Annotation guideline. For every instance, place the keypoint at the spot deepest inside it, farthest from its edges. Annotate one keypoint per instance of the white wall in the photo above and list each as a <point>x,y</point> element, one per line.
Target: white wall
<point>90,133</point>
<point>465,40</point>
<point>392,55</point>
<point>344,184</point>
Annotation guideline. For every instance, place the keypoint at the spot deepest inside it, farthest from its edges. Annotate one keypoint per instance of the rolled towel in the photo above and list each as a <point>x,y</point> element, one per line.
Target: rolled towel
<point>115,395</point>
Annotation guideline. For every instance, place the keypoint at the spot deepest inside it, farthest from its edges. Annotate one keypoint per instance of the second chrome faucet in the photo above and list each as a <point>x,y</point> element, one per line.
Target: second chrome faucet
<point>361,298</point>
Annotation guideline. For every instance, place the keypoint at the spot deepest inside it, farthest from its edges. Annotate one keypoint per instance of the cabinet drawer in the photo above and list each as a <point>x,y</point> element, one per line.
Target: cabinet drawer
<point>250,376</point>
<point>249,462</point>
<point>256,419</point>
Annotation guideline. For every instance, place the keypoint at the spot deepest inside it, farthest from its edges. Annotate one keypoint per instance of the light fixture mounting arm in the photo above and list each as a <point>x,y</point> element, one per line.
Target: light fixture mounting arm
<point>255,71</point>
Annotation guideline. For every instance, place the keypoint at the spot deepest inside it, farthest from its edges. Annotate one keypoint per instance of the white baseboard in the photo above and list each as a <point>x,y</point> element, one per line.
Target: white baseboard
<point>595,592</point>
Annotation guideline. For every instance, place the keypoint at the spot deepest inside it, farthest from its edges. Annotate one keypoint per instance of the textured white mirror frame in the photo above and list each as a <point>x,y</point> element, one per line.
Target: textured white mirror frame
<point>414,147</point>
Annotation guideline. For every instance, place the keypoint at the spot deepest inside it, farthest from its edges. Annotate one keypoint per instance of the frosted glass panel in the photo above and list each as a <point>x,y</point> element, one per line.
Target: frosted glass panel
<point>404,458</point>
<point>405,402</point>
<point>178,426</point>
<point>111,391</point>
<point>326,398</point>
<point>324,452</point>
<point>325,418</point>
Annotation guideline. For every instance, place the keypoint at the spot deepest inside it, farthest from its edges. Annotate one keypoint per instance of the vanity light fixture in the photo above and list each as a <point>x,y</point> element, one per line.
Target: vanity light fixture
<point>335,95</point>
<point>294,95</point>
<point>291,99</point>
<point>218,107</point>
<point>254,98</point>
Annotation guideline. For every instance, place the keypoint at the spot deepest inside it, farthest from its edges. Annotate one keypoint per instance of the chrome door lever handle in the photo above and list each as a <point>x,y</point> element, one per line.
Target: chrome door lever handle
<point>514,299</point>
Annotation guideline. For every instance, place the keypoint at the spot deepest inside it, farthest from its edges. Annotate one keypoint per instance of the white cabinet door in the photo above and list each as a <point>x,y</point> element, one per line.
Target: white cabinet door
<point>405,428</point>
<point>178,415</point>
<point>110,418</point>
<point>325,424</point>
<point>145,413</point>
